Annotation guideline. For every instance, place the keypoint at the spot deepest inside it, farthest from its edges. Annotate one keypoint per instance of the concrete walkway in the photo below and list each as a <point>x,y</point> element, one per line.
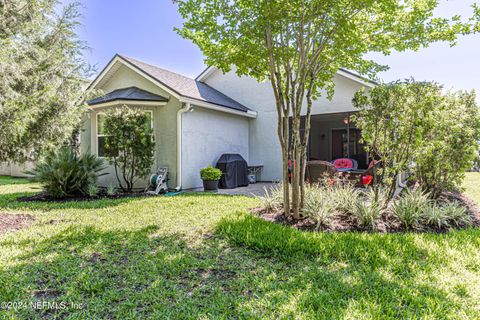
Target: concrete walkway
<point>252,190</point>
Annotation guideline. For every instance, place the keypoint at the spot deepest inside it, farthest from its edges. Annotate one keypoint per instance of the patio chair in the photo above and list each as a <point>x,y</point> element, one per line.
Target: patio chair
<point>318,169</point>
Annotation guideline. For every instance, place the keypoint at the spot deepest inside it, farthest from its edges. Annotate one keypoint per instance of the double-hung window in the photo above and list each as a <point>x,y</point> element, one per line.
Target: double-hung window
<point>101,131</point>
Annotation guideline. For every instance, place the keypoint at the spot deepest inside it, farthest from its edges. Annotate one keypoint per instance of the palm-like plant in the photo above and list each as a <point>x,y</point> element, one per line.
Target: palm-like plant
<point>65,174</point>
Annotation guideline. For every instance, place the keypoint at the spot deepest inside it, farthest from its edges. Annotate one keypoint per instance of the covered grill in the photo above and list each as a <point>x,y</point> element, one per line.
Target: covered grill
<point>235,171</point>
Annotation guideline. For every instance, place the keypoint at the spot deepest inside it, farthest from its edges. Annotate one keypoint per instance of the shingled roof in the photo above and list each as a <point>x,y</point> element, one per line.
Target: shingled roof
<point>129,94</point>
<point>185,86</point>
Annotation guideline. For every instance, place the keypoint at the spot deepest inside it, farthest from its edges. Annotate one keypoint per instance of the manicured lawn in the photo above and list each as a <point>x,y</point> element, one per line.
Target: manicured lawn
<point>202,256</point>
<point>5,180</point>
<point>472,185</point>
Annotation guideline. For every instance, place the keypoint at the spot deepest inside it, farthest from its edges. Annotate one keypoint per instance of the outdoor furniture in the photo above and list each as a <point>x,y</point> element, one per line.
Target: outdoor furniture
<point>254,173</point>
<point>318,169</point>
<point>363,177</point>
<point>345,164</point>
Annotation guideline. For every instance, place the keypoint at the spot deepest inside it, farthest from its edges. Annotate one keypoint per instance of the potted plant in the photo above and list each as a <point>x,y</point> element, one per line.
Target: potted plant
<point>210,177</point>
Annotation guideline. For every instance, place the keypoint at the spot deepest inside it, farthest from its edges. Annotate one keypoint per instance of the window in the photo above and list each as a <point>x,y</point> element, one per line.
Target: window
<point>101,134</point>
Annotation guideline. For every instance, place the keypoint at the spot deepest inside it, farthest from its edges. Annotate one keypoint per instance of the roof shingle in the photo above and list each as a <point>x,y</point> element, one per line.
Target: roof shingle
<point>185,86</point>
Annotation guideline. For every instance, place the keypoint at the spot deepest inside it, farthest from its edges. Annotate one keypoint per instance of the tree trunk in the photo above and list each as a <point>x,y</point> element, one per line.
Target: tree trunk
<point>285,156</point>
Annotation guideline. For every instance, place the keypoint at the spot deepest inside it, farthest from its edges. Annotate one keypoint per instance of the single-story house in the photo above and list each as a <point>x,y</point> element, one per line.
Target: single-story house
<point>195,121</point>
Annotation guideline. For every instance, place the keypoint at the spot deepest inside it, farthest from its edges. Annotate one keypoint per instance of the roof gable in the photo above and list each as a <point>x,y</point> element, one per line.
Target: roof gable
<point>187,87</point>
<point>175,84</point>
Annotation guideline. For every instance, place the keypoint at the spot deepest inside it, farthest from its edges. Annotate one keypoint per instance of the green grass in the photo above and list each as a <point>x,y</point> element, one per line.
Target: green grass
<point>202,256</point>
<point>6,180</point>
<point>472,185</point>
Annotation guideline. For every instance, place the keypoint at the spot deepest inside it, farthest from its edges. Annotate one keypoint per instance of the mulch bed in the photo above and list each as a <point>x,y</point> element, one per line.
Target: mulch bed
<point>44,197</point>
<point>343,223</point>
<point>468,203</point>
<point>13,222</point>
<point>339,224</point>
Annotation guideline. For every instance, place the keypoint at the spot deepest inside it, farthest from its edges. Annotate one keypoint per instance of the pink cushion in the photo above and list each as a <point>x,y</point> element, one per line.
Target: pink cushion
<point>343,163</point>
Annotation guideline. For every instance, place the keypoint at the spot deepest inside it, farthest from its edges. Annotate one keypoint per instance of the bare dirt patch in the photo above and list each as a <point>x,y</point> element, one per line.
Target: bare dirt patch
<point>13,222</point>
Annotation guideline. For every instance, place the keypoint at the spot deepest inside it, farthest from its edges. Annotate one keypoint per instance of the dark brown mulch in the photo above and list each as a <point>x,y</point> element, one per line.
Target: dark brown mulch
<point>341,223</point>
<point>278,216</point>
<point>12,222</point>
<point>44,197</point>
<point>387,223</point>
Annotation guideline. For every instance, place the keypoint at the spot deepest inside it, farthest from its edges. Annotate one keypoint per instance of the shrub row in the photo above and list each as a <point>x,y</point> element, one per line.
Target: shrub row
<point>365,208</point>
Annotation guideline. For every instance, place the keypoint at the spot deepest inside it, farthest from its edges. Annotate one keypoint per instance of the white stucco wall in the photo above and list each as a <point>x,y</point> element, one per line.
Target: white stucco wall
<point>206,135</point>
<point>264,147</point>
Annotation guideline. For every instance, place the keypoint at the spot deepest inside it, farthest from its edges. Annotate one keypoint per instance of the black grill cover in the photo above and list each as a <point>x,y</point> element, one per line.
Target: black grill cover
<point>235,171</point>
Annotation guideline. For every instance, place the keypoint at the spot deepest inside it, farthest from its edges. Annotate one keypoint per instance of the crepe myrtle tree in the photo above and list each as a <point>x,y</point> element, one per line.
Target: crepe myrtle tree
<point>298,46</point>
<point>43,77</point>
<point>129,145</point>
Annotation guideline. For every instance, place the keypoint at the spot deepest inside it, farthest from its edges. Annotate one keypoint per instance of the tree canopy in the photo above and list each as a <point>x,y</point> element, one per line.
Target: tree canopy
<point>335,33</point>
<point>43,77</point>
<point>298,45</point>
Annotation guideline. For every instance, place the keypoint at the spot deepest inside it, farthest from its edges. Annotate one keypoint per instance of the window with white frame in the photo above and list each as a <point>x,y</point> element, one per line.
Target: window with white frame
<point>101,132</point>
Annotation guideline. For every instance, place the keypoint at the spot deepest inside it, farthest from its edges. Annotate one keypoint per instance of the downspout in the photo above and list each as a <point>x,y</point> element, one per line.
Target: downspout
<point>185,108</point>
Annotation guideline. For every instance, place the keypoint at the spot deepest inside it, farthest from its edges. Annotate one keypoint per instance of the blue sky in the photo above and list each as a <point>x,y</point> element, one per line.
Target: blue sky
<point>144,29</point>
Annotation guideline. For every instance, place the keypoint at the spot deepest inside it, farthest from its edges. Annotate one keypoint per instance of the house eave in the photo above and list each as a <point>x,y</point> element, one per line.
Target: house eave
<point>345,73</point>
<point>211,106</point>
<point>205,74</point>
<point>119,59</point>
<point>357,78</point>
<point>128,102</point>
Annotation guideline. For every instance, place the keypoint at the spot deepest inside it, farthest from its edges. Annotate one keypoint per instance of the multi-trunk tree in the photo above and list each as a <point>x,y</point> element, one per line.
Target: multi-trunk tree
<point>43,77</point>
<point>298,45</point>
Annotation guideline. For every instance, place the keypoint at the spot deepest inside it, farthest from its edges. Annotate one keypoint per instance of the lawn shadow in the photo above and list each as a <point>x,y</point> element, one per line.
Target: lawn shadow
<point>354,275</point>
<point>8,180</point>
<point>144,273</point>
<point>13,201</point>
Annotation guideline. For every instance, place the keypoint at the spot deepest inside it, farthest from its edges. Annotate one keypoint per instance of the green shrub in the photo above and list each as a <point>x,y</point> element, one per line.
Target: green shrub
<point>434,217</point>
<point>210,173</point>
<point>409,207</point>
<point>447,216</point>
<point>417,122</point>
<point>111,190</point>
<point>65,174</point>
<point>368,209</point>
<point>318,205</point>
<point>457,215</point>
<point>272,198</point>
<point>344,196</point>
<point>92,190</point>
